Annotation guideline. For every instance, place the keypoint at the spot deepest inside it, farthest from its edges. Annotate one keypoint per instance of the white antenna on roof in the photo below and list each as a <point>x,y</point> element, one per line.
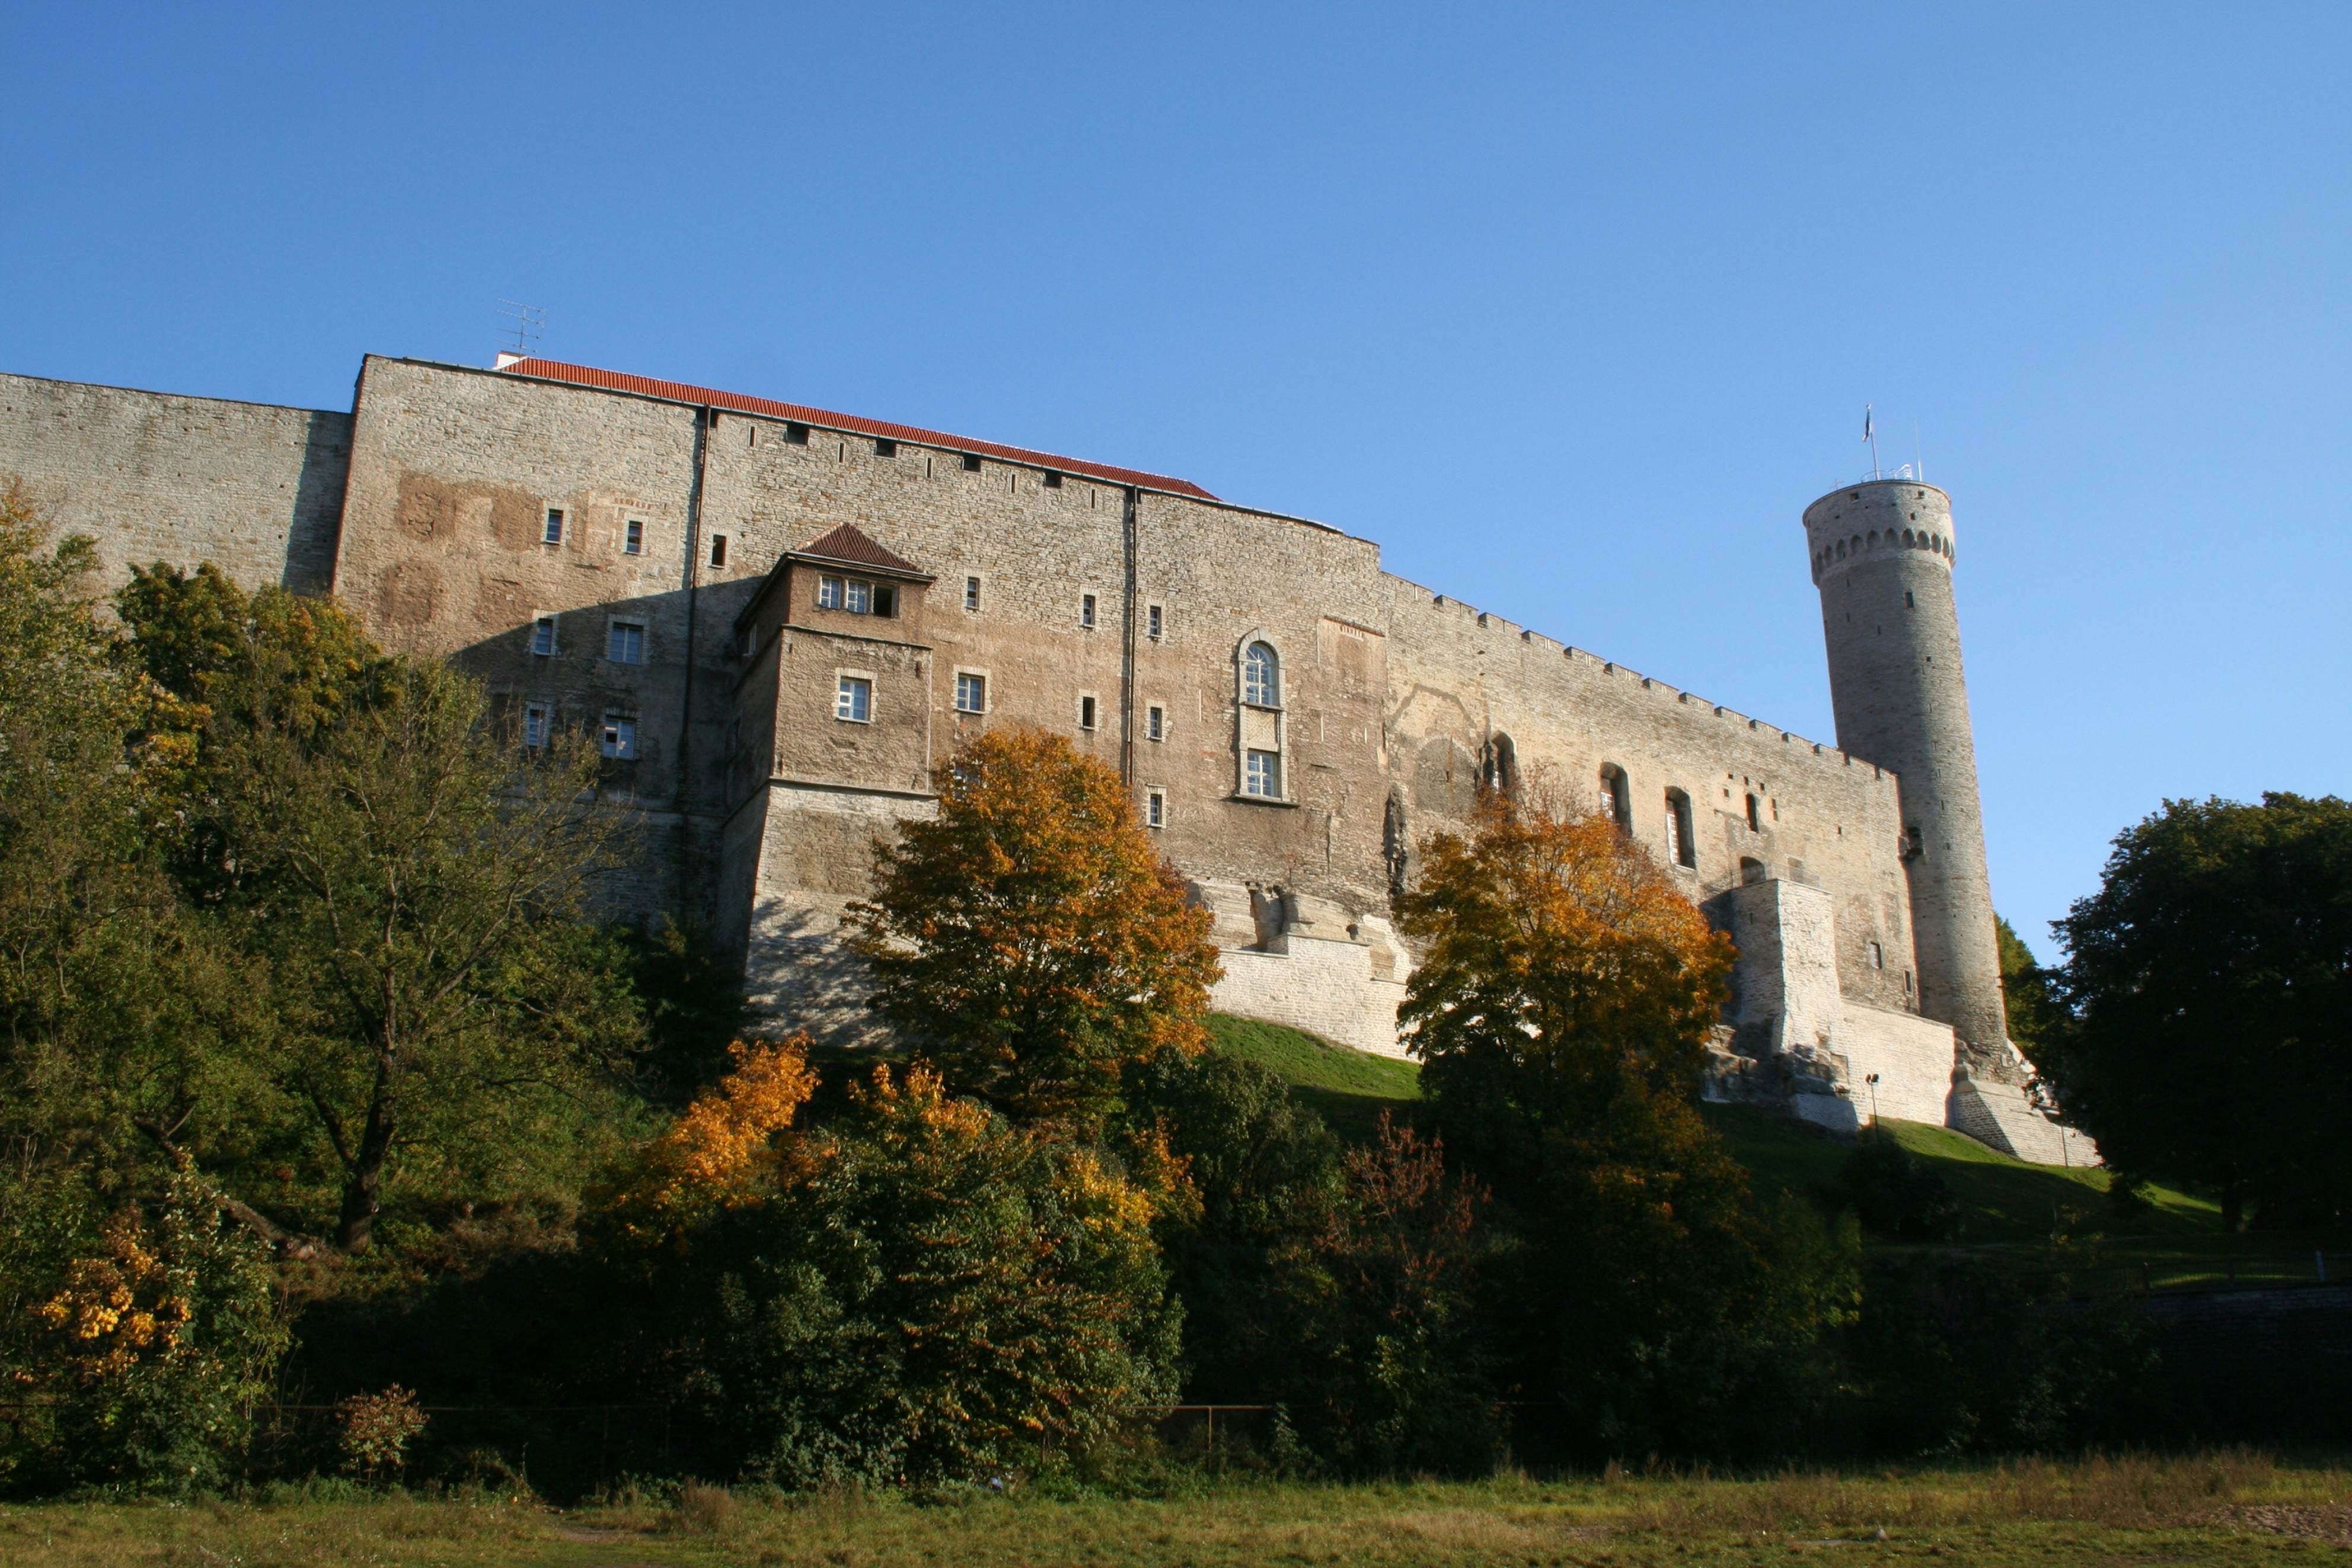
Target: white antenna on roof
<point>528,322</point>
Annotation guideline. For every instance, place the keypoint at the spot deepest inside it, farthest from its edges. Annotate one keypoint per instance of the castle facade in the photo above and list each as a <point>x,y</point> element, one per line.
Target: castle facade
<point>779,620</point>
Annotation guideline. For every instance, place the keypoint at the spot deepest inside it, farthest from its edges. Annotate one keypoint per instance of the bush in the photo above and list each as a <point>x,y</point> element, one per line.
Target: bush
<point>1895,1193</point>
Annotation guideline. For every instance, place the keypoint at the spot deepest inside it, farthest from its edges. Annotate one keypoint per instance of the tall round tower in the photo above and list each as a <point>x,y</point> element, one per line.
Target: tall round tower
<point>1883,557</point>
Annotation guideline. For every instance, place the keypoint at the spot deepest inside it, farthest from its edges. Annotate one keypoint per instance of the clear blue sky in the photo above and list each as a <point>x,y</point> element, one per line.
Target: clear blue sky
<point>1573,309</point>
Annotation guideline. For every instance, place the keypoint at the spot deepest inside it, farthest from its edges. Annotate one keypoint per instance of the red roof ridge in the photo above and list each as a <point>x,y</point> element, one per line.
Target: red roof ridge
<point>681,392</point>
<point>848,542</point>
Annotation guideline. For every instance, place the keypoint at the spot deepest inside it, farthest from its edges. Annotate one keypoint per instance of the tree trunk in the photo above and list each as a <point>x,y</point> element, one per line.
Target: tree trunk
<point>364,1181</point>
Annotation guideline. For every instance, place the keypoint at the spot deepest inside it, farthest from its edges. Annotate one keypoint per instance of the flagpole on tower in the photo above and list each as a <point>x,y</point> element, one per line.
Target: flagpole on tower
<point>1870,434</point>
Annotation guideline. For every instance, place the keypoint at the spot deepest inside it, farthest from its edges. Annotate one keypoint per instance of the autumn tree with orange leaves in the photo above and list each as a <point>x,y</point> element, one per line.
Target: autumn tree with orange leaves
<point>1030,939</point>
<point>1562,1010</point>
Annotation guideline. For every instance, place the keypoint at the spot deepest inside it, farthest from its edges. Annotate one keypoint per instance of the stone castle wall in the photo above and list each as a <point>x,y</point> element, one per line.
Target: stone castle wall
<point>252,487</point>
<point>761,811</point>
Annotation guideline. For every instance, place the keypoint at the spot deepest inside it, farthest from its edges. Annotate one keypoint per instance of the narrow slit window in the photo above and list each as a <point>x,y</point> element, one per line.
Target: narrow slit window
<point>719,550</point>
<point>971,593</point>
<point>1155,809</point>
<point>1086,713</point>
<point>1155,623</point>
<point>1877,957</point>
<point>1155,723</point>
<point>1087,611</point>
<point>1755,820</point>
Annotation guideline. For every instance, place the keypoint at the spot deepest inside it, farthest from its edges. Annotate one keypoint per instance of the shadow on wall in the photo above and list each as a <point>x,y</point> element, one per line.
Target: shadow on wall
<point>798,975</point>
<point>316,525</point>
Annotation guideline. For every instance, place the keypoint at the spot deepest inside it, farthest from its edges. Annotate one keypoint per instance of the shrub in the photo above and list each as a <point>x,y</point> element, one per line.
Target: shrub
<point>1895,1193</point>
<point>373,1431</point>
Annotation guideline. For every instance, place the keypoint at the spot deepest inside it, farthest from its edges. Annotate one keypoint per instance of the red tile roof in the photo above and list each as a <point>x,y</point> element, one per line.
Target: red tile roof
<point>845,543</point>
<point>678,392</point>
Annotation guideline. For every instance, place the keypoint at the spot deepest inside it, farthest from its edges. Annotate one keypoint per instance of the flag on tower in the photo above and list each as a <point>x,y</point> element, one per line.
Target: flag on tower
<point>1866,421</point>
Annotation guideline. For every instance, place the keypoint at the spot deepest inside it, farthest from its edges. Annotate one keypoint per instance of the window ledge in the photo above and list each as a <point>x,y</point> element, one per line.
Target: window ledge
<point>1262,799</point>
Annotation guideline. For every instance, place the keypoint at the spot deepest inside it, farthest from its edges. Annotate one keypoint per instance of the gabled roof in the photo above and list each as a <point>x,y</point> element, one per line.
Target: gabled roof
<point>847,545</point>
<point>706,397</point>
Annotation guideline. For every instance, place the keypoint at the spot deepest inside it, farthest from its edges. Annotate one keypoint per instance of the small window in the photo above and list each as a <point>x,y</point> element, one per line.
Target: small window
<point>625,642</point>
<point>972,693</point>
<point>1908,602</point>
<point>1261,676</point>
<point>553,533</point>
<point>633,538</point>
<point>1617,796</point>
<point>1498,770</point>
<point>1052,481</point>
<point>719,550</point>
<point>1877,957</point>
<point>829,591</point>
<point>1086,713</point>
<point>797,434</point>
<point>1680,849</point>
<point>1263,775</point>
<point>971,593</point>
<point>854,700</point>
<point>1155,809</point>
<point>860,598</point>
<point>885,448</point>
<point>1087,611</point>
<point>885,598</point>
<point>1154,623</point>
<point>535,724</point>
<point>619,740</point>
<point>1155,723</point>
<point>1751,870</point>
<point>1755,822</point>
<point>542,636</point>
<point>971,463</point>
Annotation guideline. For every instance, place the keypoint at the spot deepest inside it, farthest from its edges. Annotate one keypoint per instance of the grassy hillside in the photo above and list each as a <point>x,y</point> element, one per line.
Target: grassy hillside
<point>2012,1208</point>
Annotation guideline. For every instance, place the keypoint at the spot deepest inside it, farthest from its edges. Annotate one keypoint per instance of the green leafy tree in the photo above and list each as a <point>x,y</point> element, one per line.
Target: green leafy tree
<point>2027,991</point>
<point>934,1294</point>
<point>1031,939</point>
<point>2209,986</point>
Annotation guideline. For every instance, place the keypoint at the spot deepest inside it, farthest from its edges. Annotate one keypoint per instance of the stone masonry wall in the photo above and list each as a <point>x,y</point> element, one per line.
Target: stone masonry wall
<point>254,488</point>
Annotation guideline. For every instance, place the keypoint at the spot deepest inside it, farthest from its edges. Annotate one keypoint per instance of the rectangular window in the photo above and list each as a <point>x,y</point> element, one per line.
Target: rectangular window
<point>1674,834</point>
<point>1877,957</point>
<point>1087,609</point>
<point>972,693</point>
<point>626,643</point>
<point>619,740</point>
<point>1755,822</point>
<point>1086,713</point>
<point>859,598</point>
<point>534,725</point>
<point>633,538</point>
<point>1155,723</point>
<point>971,593</point>
<point>828,593</point>
<point>1265,775</point>
<point>885,448</point>
<point>542,636</point>
<point>886,600</point>
<point>553,533</point>
<point>1154,623</point>
<point>796,434</point>
<point>971,463</point>
<point>1155,809</point>
<point>854,700</point>
<point>1052,481</point>
<point>719,550</point>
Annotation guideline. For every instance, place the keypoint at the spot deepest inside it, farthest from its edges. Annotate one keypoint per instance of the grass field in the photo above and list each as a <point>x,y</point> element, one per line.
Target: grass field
<point>2012,1208</point>
<point>2228,1507</point>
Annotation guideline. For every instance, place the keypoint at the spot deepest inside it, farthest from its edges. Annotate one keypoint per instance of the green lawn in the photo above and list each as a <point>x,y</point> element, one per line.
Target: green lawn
<point>2222,1508</point>
<point>2013,1209</point>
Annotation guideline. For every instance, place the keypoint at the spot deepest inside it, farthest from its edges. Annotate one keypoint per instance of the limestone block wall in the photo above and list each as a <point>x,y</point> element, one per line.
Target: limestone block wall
<point>252,487</point>
<point>1825,818</point>
<point>1912,1056</point>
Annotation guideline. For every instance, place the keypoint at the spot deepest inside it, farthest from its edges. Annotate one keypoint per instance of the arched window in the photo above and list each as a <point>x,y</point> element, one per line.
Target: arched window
<point>1679,847</point>
<point>1617,796</point>
<point>1755,817</point>
<point>1751,869</point>
<point>1498,769</point>
<point>1261,676</point>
